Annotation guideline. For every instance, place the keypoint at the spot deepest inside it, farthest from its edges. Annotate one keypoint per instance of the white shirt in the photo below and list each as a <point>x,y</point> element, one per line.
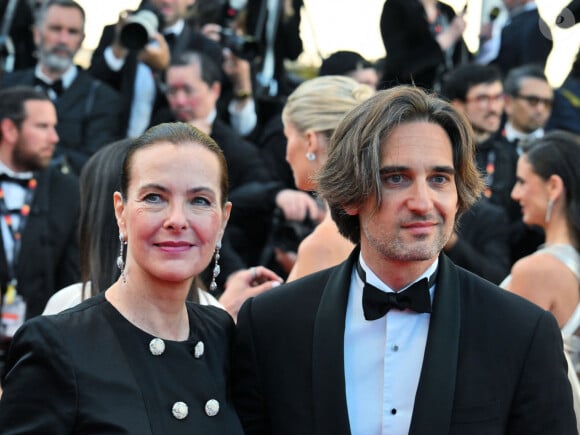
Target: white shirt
<point>382,361</point>
<point>512,134</point>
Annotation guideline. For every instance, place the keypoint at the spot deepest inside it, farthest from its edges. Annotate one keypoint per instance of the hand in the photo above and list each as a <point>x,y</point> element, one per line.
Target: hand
<point>119,51</point>
<point>212,31</point>
<point>238,71</point>
<point>156,53</point>
<point>297,205</point>
<point>245,284</point>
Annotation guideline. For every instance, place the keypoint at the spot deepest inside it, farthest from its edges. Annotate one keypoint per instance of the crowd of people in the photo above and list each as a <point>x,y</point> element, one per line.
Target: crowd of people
<point>195,237</point>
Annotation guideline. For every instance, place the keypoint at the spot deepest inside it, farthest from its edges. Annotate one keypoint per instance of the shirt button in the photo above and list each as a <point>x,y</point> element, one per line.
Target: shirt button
<point>395,348</point>
<point>393,411</point>
<point>179,410</point>
<point>212,407</point>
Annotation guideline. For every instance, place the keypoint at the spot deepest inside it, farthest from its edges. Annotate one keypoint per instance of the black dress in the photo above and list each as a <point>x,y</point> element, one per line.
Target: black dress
<point>89,370</point>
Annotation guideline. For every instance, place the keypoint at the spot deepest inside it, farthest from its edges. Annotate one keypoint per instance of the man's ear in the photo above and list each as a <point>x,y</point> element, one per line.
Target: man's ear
<point>9,131</point>
<point>351,210</point>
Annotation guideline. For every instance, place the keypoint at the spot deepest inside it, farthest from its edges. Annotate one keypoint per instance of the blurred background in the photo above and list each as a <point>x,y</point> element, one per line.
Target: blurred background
<point>331,25</point>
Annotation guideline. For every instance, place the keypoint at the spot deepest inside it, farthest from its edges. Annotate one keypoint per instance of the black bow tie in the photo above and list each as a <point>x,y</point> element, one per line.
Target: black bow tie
<point>10,179</point>
<point>376,303</point>
<point>56,86</point>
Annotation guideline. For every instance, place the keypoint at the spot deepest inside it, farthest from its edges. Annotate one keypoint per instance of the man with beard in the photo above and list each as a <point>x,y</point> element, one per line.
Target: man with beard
<point>392,340</point>
<point>87,109</point>
<point>39,207</point>
<point>478,92</point>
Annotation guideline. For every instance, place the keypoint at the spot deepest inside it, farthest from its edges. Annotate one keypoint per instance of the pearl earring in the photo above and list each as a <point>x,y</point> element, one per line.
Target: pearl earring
<point>311,156</point>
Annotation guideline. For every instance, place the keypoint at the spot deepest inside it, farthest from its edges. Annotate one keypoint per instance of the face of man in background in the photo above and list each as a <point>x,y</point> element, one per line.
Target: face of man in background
<point>59,37</point>
<point>172,10</point>
<point>36,138</point>
<point>190,98</point>
<point>483,105</point>
<point>531,108</point>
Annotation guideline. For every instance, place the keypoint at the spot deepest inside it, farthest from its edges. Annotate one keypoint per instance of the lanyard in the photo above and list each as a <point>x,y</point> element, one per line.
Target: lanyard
<point>16,233</point>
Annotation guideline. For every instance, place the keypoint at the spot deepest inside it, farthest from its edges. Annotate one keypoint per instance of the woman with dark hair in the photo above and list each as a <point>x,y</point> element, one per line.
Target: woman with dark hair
<point>548,190</point>
<point>139,357</point>
<point>99,243</point>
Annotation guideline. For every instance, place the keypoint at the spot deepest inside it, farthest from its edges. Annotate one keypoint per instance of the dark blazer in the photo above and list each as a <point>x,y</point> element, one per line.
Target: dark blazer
<point>413,54</point>
<point>88,113</point>
<point>89,371</point>
<point>493,362</point>
<point>483,240</point>
<point>49,256</point>
<point>526,39</point>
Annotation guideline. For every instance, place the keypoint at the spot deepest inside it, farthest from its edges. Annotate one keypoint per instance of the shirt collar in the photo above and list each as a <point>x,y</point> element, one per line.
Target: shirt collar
<point>67,78</point>
<point>176,28</point>
<point>22,175</point>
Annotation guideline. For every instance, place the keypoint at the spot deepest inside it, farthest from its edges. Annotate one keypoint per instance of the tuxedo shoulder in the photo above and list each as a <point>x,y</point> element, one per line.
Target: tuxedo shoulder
<point>489,299</point>
<point>300,293</point>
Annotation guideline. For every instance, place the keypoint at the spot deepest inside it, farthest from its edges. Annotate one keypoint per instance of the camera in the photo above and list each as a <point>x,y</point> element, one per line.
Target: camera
<point>245,47</point>
<point>139,29</point>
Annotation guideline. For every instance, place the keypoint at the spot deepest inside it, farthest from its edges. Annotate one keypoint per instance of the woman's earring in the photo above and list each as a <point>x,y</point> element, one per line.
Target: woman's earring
<point>549,210</point>
<point>120,259</point>
<point>311,156</point>
<point>216,267</point>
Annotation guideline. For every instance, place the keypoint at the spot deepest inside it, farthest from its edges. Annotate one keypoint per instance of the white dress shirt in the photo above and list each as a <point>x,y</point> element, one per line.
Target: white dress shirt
<point>382,361</point>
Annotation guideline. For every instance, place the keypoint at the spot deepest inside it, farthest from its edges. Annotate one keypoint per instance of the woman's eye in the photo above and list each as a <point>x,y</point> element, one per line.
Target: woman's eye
<point>200,200</point>
<point>152,198</point>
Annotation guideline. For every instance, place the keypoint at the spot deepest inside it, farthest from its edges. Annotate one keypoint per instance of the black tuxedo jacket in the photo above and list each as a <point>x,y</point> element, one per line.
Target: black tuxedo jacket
<point>49,255</point>
<point>493,362</point>
<point>88,113</point>
<point>526,39</point>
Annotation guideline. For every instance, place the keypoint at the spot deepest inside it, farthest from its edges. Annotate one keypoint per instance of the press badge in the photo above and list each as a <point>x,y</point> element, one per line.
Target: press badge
<point>13,311</point>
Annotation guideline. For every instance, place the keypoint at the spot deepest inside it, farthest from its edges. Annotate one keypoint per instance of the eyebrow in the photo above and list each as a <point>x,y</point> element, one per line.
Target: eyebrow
<point>165,189</point>
<point>385,170</point>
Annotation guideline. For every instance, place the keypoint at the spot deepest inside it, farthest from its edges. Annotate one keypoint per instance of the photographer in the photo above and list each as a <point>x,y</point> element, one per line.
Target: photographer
<point>138,72</point>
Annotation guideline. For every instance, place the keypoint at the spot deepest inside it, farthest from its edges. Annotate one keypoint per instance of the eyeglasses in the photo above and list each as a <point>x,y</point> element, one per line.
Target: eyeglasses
<point>485,99</point>
<point>534,100</point>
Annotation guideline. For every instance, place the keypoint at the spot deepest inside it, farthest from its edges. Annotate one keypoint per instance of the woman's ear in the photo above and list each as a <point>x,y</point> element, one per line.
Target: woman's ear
<point>119,206</point>
<point>312,139</point>
<point>555,187</point>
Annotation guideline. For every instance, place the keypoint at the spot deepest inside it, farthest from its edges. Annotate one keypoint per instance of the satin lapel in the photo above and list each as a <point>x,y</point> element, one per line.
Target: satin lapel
<point>434,399</point>
<point>331,414</point>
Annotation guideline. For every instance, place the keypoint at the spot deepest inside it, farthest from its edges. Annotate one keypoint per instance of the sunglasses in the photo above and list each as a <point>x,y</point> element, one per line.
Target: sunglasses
<point>533,100</point>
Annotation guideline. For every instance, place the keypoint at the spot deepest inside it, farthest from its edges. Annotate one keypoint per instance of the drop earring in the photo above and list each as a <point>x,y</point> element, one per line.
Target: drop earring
<point>216,267</point>
<point>310,156</point>
<point>549,210</point>
<point>120,259</point>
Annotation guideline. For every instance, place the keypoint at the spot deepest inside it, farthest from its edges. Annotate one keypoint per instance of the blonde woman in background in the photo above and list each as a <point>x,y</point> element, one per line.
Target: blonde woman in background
<point>310,116</point>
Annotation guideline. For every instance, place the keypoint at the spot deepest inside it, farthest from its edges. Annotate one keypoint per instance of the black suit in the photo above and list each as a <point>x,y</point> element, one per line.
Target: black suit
<point>49,255</point>
<point>493,362</point>
<point>522,42</point>
<point>482,245</point>
<point>88,113</point>
<point>89,371</point>
<point>414,56</point>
